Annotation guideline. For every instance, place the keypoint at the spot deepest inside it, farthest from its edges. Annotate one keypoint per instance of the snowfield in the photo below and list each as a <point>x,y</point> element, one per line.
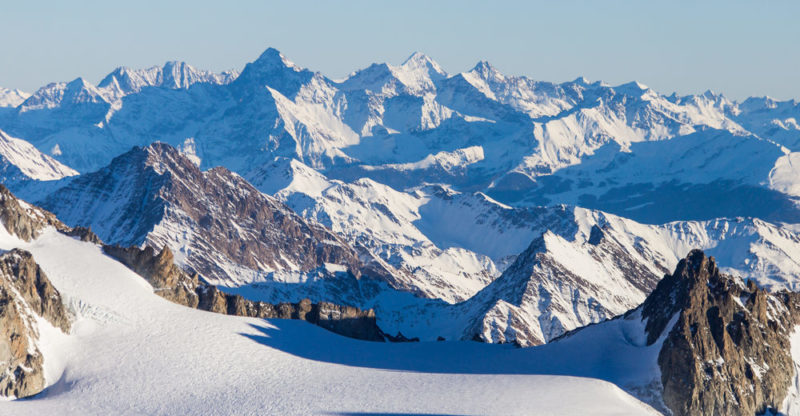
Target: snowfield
<point>132,352</point>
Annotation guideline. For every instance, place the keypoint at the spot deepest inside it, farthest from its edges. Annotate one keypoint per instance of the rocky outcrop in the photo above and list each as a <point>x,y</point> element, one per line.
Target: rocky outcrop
<point>178,286</point>
<point>728,350</point>
<point>344,320</point>
<point>225,229</point>
<point>25,292</point>
<point>83,234</point>
<point>173,283</point>
<point>27,221</point>
<point>159,269</point>
<point>23,220</point>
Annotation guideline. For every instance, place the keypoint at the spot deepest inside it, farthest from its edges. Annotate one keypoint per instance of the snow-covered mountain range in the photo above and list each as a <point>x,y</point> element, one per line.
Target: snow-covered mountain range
<point>162,358</point>
<point>433,262</point>
<point>666,355</point>
<point>442,179</point>
<point>468,206</point>
<point>521,141</point>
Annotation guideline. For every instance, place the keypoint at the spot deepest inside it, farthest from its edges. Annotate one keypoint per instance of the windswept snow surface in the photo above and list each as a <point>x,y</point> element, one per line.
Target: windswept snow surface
<point>132,352</point>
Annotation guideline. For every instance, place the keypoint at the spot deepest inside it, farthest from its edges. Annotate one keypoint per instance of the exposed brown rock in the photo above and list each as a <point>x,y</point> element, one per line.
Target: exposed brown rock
<point>728,352</point>
<point>230,221</point>
<point>27,221</point>
<point>23,220</point>
<point>25,291</point>
<point>172,283</point>
<point>83,234</point>
<point>167,279</point>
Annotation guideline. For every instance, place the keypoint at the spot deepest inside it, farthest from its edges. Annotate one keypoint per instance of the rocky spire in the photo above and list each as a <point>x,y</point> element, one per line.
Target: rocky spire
<point>23,220</point>
<point>728,350</point>
<point>25,292</point>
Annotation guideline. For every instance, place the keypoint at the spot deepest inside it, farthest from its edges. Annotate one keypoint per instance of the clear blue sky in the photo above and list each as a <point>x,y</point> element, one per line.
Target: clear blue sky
<point>738,48</point>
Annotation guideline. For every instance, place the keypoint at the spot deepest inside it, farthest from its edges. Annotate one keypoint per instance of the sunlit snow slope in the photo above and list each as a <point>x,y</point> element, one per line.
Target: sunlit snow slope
<point>19,159</point>
<point>132,352</point>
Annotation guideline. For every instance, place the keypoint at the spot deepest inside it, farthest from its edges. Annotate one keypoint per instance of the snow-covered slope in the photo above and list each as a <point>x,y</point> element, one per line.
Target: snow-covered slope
<point>585,266</point>
<point>769,118</point>
<point>20,160</point>
<point>12,98</point>
<point>128,347</point>
<point>677,179</point>
<point>451,243</point>
<point>117,317</point>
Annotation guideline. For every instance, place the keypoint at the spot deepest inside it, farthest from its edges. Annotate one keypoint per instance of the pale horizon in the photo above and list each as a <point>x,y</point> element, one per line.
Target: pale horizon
<point>736,49</point>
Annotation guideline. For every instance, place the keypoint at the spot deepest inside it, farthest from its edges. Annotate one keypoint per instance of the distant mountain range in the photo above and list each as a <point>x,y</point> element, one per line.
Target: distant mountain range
<point>469,206</point>
<point>440,179</point>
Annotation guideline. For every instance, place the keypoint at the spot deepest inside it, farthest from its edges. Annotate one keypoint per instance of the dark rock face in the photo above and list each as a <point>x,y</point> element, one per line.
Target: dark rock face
<point>83,234</point>
<point>25,291</point>
<point>728,352</point>
<point>23,220</point>
<point>154,195</point>
<point>27,221</point>
<point>172,283</point>
<point>167,279</point>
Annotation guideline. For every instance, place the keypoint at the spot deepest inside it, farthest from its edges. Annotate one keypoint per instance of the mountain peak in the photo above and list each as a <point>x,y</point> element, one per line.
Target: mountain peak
<point>274,70</point>
<point>160,148</point>
<point>417,57</point>
<point>173,64</point>
<point>78,83</point>
<point>274,58</point>
<point>163,157</point>
<point>172,75</point>
<point>486,71</point>
<point>270,52</point>
<point>418,73</point>
<point>483,66</point>
<point>697,266</point>
<point>581,80</point>
<point>175,75</point>
<point>632,88</point>
<point>674,292</point>
<point>419,60</point>
<point>715,333</point>
<point>160,156</point>
<point>12,97</point>
<point>156,184</point>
